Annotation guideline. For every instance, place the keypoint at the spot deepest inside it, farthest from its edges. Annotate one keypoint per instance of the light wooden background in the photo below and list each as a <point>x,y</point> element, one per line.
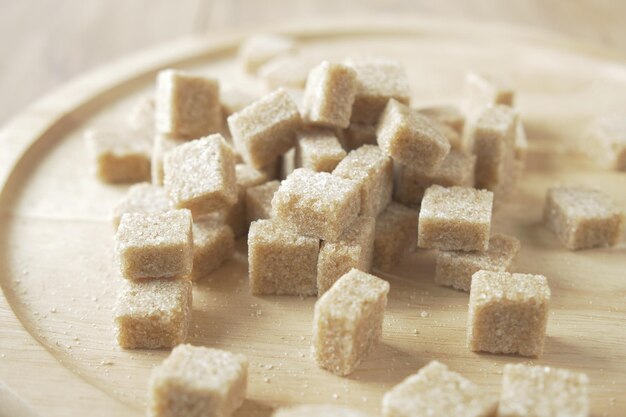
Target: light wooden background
<point>43,43</point>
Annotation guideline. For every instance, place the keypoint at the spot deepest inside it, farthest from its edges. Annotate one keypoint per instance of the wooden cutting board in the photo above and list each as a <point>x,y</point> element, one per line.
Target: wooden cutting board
<point>58,356</point>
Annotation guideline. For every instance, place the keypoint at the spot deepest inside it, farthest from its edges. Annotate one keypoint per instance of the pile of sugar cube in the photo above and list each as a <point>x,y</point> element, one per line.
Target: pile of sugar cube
<point>331,174</point>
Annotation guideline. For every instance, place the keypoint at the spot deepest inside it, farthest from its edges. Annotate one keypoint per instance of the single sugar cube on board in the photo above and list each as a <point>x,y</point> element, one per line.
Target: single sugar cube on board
<point>542,391</point>
<point>582,218</point>
<point>372,169</point>
<point>455,218</point>
<point>213,244</point>
<point>508,313</point>
<point>281,261</point>
<point>348,321</point>
<point>318,150</point>
<point>329,95</point>
<point>153,314</point>
<point>456,169</point>
<point>141,198</point>
<point>195,381</point>
<point>448,115</point>
<point>358,134</point>
<point>317,204</point>
<point>155,245</point>
<point>605,141</point>
<point>290,71</point>
<point>141,116</point>
<point>435,390</point>
<point>353,249</point>
<point>259,49</point>
<point>456,268</point>
<point>119,155</point>
<point>200,175</point>
<point>411,138</point>
<point>187,105</point>
<point>259,201</point>
<point>162,144</point>
<point>319,410</point>
<point>266,128</point>
<point>378,80</point>
<point>396,234</point>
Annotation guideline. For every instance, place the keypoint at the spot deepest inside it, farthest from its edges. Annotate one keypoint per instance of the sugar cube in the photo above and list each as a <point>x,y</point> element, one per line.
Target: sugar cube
<point>396,234</point>
<point>259,201</point>
<point>141,198</point>
<point>213,244</point>
<point>325,410</point>
<point>289,70</point>
<point>162,144</point>
<point>318,150</point>
<point>259,49</point>
<point>605,141</point>
<point>447,115</point>
<point>359,134</point>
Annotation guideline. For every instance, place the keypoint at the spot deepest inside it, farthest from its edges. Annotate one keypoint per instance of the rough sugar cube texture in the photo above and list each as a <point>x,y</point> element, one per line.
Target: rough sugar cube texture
<point>447,115</point>
<point>456,268</point>
<point>213,244</point>
<point>329,95</point>
<point>396,234</point>
<point>321,410</point>
<point>317,204</point>
<point>348,321</point>
<point>411,138</point>
<point>162,145</point>
<point>357,135</point>
<point>290,71</point>
<point>259,201</point>
<point>141,198</point>
<point>155,245</point>
<point>200,175</point>
<point>455,218</point>
<point>261,48</point>
<point>318,150</point>
<point>197,381</point>
<point>605,141</point>
<point>187,105</point>
<point>235,216</point>
<point>266,128</point>
<point>373,171</point>
<point>280,260</point>
<point>118,155</point>
<point>508,313</point>
<point>153,314</point>
<point>353,249</point>
<point>437,391</point>
<point>541,391</point>
<point>582,218</point>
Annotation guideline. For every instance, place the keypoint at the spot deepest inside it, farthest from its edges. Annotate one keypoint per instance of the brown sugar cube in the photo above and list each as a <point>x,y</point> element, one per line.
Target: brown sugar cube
<point>141,116</point>
<point>325,410</point>
<point>456,169</point>
<point>119,156</point>
<point>483,90</point>
<point>542,391</point>
<point>162,144</point>
<point>437,391</point>
<point>141,198</point>
<point>187,105</point>
<point>582,218</point>
<point>455,268</point>
<point>329,95</point>
<point>454,138</point>
<point>196,381</point>
<point>411,138</point>
<point>373,171</point>
<point>153,314</point>
<point>348,321</point>
<point>266,128</point>
<point>259,201</point>
<point>213,244</point>
<point>234,100</point>
<point>447,115</point>
<point>318,150</point>
<point>508,313</point>
<point>259,49</point>
<point>605,141</point>
<point>455,218</point>
<point>289,70</point>
<point>317,204</point>
<point>378,80</point>
<point>200,175</point>
<point>357,135</point>
<point>155,245</point>
<point>396,234</point>
<point>353,249</point>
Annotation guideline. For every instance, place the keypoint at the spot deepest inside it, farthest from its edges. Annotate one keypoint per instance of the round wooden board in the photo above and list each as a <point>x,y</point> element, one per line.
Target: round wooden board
<point>57,351</point>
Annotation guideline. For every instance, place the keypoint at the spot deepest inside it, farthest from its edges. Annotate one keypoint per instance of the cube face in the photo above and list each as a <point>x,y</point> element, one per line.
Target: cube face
<point>259,201</point>
<point>317,204</point>
<point>542,391</point>
<point>582,218</point>
<point>153,314</point>
<point>266,128</point>
<point>325,410</point>
<point>259,49</point>
<point>353,249</point>
<point>187,105</point>
<point>318,150</point>
<point>213,244</point>
<point>456,268</point>
<point>200,175</point>
<point>357,135</point>
<point>411,138</point>
<point>348,321</point>
<point>141,198</point>
<point>280,261</point>
<point>396,234</point>
<point>436,390</point>
<point>162,145</point>
<point>198,382</point>
<point>373,172</point>
<point>155,245</point>
<point>508,313</point>
<point>329,95</point>
<point>605,141</point>
<point>455,218</point>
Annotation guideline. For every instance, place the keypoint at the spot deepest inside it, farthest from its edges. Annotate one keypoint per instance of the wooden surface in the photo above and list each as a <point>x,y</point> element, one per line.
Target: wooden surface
<point>44,43</point>
<point>57,350</point>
